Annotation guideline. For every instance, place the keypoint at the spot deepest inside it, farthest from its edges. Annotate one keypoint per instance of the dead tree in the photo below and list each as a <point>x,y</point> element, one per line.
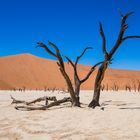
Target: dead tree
<point>45,88</point>
<point>128,87</point>
<point>61,66</point>
<point>107,87</point>
<point>115,87</point>
<point>108,56</point>
<point>138,85</point>
<point>74,91</point>
<point>24,88</point>
<point>112,88</point>
<point>135,88</point>
<point>134,85</point>
<point>102,87</point>
<point>14,89</point>
<point>53,89</point>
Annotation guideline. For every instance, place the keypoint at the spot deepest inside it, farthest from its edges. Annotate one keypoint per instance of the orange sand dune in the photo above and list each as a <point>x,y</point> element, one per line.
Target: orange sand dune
<point>26,70</point>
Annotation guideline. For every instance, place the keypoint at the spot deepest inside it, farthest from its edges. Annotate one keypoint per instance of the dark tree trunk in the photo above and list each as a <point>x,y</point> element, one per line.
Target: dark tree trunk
<point>135,88</point>
<point>138,88</point>
<point>95,100</point>
<point>75,100</point>
<point>107,87</point>
<point>77,90</point>
<point>97,88</point>
<point>138,85</point>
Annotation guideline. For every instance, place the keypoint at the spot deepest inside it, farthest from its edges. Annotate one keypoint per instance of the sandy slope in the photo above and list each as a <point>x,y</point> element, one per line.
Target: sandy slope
<point>120,119</point>
<point>32,72</point>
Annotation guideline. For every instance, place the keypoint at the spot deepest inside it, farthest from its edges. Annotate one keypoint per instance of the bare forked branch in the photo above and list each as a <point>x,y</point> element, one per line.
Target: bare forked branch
<point>123,27</point>
<point>40,44</point>
<point>78,58</point>
<point>76,77</point>
<point>74,65</point>
<point>127,15</point>
<point>55,47</point>
<point>57,54</point>
<point>74,68</point>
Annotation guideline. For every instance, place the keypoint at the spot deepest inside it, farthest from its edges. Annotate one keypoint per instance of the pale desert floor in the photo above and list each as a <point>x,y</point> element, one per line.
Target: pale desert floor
<point>120,119</point>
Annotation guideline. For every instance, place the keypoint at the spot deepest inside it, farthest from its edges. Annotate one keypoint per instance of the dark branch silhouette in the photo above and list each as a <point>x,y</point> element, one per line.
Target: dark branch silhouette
<point>78,58</point>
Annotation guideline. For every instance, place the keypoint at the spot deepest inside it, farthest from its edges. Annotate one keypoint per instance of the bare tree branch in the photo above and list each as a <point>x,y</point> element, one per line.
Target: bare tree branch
<point>120,12</point>
<point>55,103</point>
<point>76,77</point>
<point>45,98</point>
<point>78,58</point>
<point>127,15</point>
<point>129,37</point>
<point>103,41</point>
<point>90,72</point>
<point>55,47</point>
<point>15,101</point>
<point>58,55</point>
<point>74,68</point>
<point>123,27</point>
<point>40,44</point>
<point>70,61</point>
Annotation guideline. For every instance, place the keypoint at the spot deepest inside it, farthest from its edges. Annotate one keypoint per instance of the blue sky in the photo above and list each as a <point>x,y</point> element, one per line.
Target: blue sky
<point>72,25</point>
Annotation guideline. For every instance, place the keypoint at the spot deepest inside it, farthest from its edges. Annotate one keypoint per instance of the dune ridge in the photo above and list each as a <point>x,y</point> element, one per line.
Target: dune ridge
<point>32,72</point>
